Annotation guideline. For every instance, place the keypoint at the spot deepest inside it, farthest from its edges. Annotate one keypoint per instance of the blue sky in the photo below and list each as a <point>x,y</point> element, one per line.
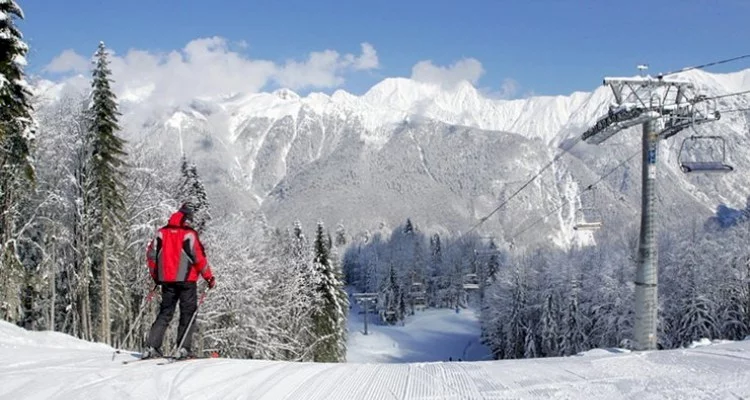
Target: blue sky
<point>545,47</point>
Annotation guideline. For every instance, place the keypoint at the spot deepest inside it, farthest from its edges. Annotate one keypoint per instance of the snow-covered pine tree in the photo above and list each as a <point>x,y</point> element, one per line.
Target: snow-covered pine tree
<point>16,169</point>
<point>191,190</point>
<point>529,346</point>
<point>573,336</point>
<point>549,330</point>
<point>329,317</point>
<point>435,279</point>
<point>106,170</point>
<point>389,295</point>
<point>340,235</point>
<point>493,264</point>
<point>409,227</point>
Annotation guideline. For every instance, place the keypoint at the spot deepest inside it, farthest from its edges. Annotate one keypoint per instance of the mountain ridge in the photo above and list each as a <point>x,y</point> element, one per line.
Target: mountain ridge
<point>446,156</point>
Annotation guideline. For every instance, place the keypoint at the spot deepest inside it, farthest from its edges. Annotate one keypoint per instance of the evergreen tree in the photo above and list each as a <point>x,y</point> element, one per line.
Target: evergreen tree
<point>329,317</point>
<point>408,228</point>
<point>106,173</point>
<point>549,330</point>
<point>191,190</point>
<point>435,281</point>
<point>391,295</point>
<point>16,169</point>
<point>494,262</point>
<point>529,345</point>
<point>573,336</point>
<point>340,235</point>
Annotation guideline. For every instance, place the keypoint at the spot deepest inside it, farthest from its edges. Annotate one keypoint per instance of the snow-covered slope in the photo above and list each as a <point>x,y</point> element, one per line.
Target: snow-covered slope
<point>43,365</point>
<point>427,336</point>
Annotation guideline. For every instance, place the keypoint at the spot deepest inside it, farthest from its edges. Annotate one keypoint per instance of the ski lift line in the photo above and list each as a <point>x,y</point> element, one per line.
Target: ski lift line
<point>702,66</point>
<point>721,96</point>
<point>566,201</point>
<point>735,110</point>
<point>524,186</point>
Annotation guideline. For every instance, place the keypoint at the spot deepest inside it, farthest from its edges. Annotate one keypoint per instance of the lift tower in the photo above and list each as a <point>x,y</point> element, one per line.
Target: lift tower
<point>663,107</point>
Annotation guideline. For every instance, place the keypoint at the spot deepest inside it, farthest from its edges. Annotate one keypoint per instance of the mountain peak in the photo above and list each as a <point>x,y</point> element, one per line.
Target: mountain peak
<point>286,94</point>
<point>400,93</point>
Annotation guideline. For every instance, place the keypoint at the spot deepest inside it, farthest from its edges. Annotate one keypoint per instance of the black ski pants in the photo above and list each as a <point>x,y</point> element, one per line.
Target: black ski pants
<point>186,294</point>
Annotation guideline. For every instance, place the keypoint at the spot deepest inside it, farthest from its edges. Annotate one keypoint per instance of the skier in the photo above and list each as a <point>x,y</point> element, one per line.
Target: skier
<point>175,258</point>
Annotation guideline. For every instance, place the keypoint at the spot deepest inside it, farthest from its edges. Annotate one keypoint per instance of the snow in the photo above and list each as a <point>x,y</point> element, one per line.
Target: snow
<point>429,335</point>
<point>44,365</point>
<point>20,60</point>
<point>393,100</point>
<point>137,94</point>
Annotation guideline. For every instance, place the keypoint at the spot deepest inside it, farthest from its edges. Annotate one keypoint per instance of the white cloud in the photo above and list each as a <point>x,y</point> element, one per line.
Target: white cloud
<point>207,67</point>
<point>68,61</point>
<point>467,69</point>
<point>509,88</point>
<point>325,68</point>
<point>368,59</point>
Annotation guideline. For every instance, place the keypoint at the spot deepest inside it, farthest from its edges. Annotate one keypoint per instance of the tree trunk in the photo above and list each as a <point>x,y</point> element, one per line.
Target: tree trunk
<point>53,293</point>
<point>105,321</point>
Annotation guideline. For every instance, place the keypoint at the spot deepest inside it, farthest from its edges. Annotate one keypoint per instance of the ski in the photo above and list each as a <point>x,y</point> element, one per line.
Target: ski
<point>172,360</point>
<point>145,359</point>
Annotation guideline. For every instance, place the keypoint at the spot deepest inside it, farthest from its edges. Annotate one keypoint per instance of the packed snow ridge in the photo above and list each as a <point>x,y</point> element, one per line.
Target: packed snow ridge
<point>44,365</point>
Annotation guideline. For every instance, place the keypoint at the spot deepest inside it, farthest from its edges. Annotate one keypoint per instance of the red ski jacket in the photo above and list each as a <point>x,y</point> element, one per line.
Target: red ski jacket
<point>176,254</point>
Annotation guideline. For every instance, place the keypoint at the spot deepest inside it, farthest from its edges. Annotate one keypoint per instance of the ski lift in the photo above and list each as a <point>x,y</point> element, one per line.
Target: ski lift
<point>420,300</point>
<point>418,295</point>
<point>588,218</point>
<point>471,282</point>
<point>591,223</point>
<point>717,164</point>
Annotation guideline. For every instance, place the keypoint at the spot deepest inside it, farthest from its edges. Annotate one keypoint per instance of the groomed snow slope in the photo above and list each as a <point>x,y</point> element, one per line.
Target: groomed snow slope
<point>44,365</point>
<point>426,336</point>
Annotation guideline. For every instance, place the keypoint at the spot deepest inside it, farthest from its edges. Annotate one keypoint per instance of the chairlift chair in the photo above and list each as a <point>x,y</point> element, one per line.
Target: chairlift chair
<point>710,166</point>
<point>420,300</point>
<point>471,282</point>
<point>593,223</point>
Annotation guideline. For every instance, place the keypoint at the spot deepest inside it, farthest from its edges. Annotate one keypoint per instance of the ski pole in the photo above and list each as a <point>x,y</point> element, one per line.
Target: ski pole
<point>190,324</point>
<point>146,300</point>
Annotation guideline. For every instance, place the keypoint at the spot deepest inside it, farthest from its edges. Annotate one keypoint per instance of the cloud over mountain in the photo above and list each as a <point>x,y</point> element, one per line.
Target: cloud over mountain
<point>212,67</point>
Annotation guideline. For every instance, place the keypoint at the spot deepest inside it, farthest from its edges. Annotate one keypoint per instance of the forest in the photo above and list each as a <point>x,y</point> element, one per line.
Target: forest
<point>551,302</point>
<point>79,206</point>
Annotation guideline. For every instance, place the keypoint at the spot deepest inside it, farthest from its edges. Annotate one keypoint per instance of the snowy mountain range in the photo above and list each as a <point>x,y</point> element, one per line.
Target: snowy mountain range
<point>442,156</point>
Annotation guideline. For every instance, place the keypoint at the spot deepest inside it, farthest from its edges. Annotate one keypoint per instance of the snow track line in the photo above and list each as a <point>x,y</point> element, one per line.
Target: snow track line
<point>238,384</point>
<point>440,378</point>
<point>407,384</point>
<point>396,377</point>
<point>276,377</point>
<point>174,382</point>
<point>461,380</point>
<point>483,381</point>
<point>313,388</point>
<point>370,391</point>
<point>357,381</point>
<point>94,382</point>
<point>721,355</point>
<point>415,390</point>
